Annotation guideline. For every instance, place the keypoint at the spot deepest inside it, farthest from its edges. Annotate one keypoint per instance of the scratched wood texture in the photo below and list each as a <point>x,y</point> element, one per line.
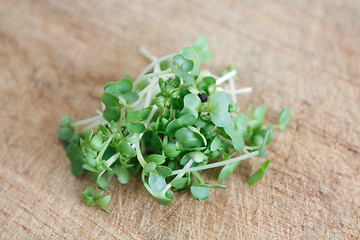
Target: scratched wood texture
<point>56,56</point>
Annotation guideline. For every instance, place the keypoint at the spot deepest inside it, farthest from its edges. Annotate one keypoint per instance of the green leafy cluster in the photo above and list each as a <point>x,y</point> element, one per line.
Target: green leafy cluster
<point>176,123</point>
<point>93,199</point>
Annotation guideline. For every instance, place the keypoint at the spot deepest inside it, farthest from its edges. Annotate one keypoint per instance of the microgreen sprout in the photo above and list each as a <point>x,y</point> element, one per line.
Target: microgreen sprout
<point>168,125</point>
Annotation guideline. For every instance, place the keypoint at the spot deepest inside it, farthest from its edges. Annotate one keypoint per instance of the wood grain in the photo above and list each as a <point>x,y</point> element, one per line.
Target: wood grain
<point>56,56</point>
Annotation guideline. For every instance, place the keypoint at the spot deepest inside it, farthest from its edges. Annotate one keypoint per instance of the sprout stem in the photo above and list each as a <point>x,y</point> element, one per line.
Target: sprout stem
<point>179,174</point>
<point>226,77</point>
<point>151,65</point>
<point>101,153</point>
<point>241,90</point>
<point>86,121</point>
<point>217,164</point>
<point>156,74</point>
<point>147,54</point>
<point>198,177</point>
<point>139,155</point>
<point>232,86</point>
<point>252,157</point>
<point>109,162</point>
<point>89,127</point>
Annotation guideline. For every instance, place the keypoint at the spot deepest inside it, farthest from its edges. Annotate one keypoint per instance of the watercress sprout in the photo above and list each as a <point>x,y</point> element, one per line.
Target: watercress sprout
<point>168,125</point>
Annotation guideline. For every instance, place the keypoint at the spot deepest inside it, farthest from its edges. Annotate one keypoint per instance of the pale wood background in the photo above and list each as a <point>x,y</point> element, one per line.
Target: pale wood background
<point>56,56</point>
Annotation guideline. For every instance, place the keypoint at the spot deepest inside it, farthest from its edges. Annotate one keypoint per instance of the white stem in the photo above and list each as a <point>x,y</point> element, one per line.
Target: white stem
<point>139,155</point>
<point>148,97</point>
<point>109,162</point>
<point>151,65</point>
<point>180,174</point>
<point>153,110</point>
<point>217,164</point>
<point>226,77</point>
<point>147,54</point>
<point>232,86</point>
<point>86,121</point>
<point>242,90</point>
<point>152,113</point>
<point>236,91</point>
<point>156,74</point>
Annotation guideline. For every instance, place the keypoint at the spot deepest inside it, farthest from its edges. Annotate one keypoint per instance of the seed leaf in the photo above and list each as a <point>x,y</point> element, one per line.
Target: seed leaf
<point>285,118</point>
<point>199,192</point>
<point>156,182</point>
<point>259,174</point>
<point>219,104</point>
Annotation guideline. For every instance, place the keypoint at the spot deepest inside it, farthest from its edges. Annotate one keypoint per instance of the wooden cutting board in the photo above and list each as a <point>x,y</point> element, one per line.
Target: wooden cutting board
<point>56,56</point>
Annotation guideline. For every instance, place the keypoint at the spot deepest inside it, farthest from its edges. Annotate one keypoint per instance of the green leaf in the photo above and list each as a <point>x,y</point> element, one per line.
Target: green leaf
<point>156,158</point>
<point>188,138</point>
<point>164,65</point>
<point>125,149</point>
<point>184,121</point>
<point>188,78</point>
<point>167,198</point>
<point>199,192</point>
<point>130,97</point>
<point>149,167</point>
<point>205,56</point>
<point>89,191</point>
<point>227,170</point>
<point>216,186</point>
<point>235,134</point>
<point>192,104</point>
<point>112,107</point>
<point>171,150</point>
<point>219,104</point>
<point>183,64</point>
<point>66,132</point>
<point>285,118</point>
<point>88,196</point>
<point>74,154</point>
<point>111,114</point>
<point>258,117</point>
<point>180,183</point>
<point>89,159</point>
<point>197,156</point>
<point>173,126</point>
<point>102,182</point>
<point>122,173</point>
<point>216,143</point>
<point>96,143</point>
<point>269,134</point>
<point>142,84</point>
<point>187,120</point>
<point>132,124</point>
<point>259,174</point>
<point>135,127</point>
<point>164,171</point>
<point>65,121</point>
<point>201,44</point>
<point>99,195</point>
<point>104,201</point>
<point>156,143</point>
<point>104,130</point>
<point>117,88</point>
<point>131,140</point>
<point>189,53</point>
<point>156,182</point>
<point>110,100</point>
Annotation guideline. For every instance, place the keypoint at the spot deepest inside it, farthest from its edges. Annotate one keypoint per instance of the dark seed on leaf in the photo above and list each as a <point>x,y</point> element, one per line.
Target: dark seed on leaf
<point>203,97</point>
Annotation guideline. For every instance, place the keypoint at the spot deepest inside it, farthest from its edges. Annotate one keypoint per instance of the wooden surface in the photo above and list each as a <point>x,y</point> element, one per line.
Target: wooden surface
<point>56,56</point>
